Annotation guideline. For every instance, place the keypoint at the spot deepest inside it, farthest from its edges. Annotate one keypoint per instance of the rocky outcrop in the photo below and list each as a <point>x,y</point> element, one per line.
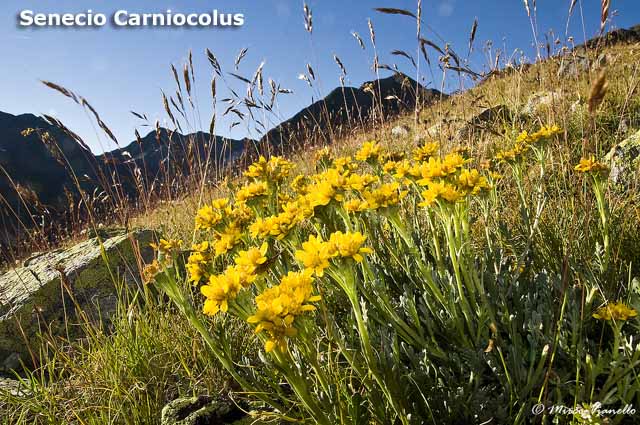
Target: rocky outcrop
<point>53,291</point>
<point>624,161</point>
<point>619,36</point>
<point>400,131</point>
<point>203,410</point>
<point>541,100</point>
<point>572,66</point>
<point>12,387</point>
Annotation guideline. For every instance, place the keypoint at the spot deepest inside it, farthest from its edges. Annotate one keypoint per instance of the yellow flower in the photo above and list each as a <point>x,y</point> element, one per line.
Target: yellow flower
<point>207,217</point>
<point>257,169</point>
<point>218,292</point>
<point>389,166</point>
<point>167,246</point>
<point>252,258</point>
<point>278,226</point>
<point>150,271</point>
<point>369,150</point>
<point>590,165</point>
<point>387,195</point>
<point>471,181</point>
<point>278,307</point>
<point>298,210</point>
<point>344,163</point>
<point>239,276</point>
<point>241,214</point>
<point>425,151</point>
<point>323,153</point>
<point>260,228</point>
<point>227,240</point>
<point>440,190</point>
<point>348,245</point>
<point>252,190</point>
<point>451,163</point>
<point>355,205</point>
<point>275,169</point>
<point>433,168</point>
<point>314,255</point>
<point>616,311</point>
<point>507,155</point>
<point>523,138</point>
<point>197,262</point>
<point>220,203</point>
<point>322,193</point>
<point>212,214</point>
<point>544,133</point>
<point>402,168</point>
<point>359,182</point>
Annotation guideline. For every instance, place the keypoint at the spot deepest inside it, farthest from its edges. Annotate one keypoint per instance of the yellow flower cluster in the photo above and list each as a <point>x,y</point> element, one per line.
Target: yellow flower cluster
<point>278,226</point>
<point>278,307</point>
<point>322,154</point>
<point>150,271</point>
<point>222,288</point>
<point>385,196</point>
<point>210,215</point>
<point>315,253</point>
<point>369,151</point>
<point>272,204</point>
<point>197,264</point>
<point>252,190</point>
<point>525,141</point>
<point>223,223</point>
<point>167,246</point>
<point>425,151</point>
<point>616,311</point>
<point>276,169</point>
<point>590,165</point>
<point>443,178</point>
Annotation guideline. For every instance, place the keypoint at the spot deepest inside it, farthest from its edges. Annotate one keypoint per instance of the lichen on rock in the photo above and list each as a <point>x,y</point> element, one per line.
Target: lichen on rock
<point>624,162</point>
<point>46,292</point>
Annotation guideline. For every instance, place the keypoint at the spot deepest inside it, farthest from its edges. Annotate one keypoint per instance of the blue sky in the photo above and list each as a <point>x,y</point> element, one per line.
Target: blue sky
<point>119,70</point>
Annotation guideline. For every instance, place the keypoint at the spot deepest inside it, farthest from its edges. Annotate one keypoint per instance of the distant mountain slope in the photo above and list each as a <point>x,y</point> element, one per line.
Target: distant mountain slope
<point>162,153</point>
<point>348,107</point>
<point>27,163</point>
<point>32,168</point>
<point>36,177</point>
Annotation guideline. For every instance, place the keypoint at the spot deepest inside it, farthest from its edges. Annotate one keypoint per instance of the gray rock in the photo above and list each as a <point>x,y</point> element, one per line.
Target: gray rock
<point>623,127</point>
<point>41,296</point>
<point>490,119</point>
<point>12,387</point>
<point>624,161</point>
<point>399,131</point>
<point>572,66</point>
<point>201,410</point>
<point>539,100</point>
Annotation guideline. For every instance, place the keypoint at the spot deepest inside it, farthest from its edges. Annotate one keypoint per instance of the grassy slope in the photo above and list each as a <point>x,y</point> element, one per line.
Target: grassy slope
<point>441,121</point>
<point>154,356</point>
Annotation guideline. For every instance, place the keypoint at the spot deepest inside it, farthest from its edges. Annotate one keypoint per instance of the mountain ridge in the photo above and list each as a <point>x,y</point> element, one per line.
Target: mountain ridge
<point>42,178</point>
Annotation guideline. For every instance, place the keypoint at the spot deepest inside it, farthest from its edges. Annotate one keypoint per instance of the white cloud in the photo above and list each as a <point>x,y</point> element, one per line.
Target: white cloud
<point>445,9</point>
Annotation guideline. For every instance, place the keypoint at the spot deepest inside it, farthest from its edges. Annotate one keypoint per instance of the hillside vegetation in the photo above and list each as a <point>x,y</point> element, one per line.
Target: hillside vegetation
<point>465,270</point>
